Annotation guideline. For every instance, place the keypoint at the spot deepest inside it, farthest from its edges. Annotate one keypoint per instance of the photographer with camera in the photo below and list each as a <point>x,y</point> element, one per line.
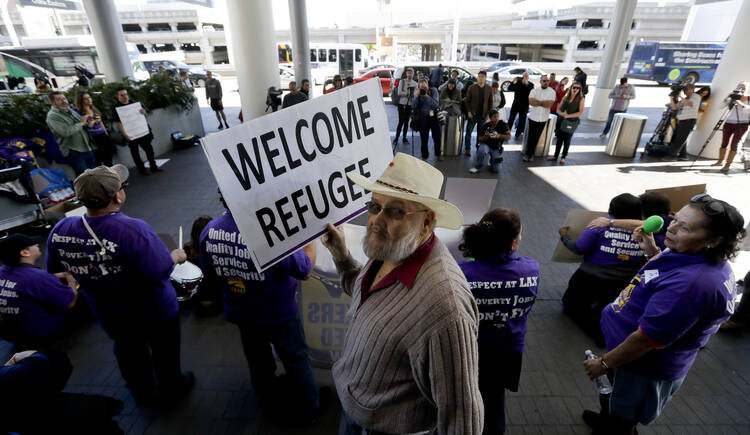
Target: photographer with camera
<point>735,125</point>
<point>687,114</point>
<point>491,136</point>
<point>425,106</point>
<point>404,94</point>
<point>521,88</point>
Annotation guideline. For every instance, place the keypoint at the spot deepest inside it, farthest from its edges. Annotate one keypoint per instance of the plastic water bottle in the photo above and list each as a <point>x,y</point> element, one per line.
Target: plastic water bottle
<point>602,382</point>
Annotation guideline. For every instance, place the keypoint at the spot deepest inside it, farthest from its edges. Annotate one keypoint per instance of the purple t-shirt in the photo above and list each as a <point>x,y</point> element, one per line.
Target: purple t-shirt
<point>678,301</point>
<point>505,289</point>
<point>261,298</point>
<point>610,247</point>
<point>32,303</point>
<point>130,282</point>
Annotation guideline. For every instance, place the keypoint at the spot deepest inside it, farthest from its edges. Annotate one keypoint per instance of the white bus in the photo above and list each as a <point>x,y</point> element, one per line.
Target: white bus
<point>329,59</point>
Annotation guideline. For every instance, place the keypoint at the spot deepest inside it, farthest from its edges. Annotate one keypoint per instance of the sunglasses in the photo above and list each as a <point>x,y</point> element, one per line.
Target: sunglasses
<point>575,87</point>
<point>711,207</point>
<point>393,213</point>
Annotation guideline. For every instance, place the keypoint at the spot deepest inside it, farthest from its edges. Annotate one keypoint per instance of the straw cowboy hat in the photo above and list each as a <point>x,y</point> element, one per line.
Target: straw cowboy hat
<point>412,179</point>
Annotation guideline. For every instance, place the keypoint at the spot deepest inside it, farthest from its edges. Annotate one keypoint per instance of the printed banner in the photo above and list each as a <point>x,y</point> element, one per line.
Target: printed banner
<point>283,175</point>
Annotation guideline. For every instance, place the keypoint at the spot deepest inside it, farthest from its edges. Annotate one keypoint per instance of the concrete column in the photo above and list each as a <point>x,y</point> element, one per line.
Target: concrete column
<point>207,50</point>
<point>8,23</point>
<point>612,59</point>
<point>454,38</point>
<point>256,59</point>
<point>144,27</point>
<point>570,49</point>
<point>733,69</point>
<point>173,26</point>
<point>110,42</point>
<point>300,40</point>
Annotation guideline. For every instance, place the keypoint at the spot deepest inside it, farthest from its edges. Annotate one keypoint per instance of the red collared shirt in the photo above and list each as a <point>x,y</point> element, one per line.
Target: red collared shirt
<point>405,272</point>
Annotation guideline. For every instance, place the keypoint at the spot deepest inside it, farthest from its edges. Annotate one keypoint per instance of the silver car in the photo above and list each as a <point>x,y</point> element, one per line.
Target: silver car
<point>508,73</point>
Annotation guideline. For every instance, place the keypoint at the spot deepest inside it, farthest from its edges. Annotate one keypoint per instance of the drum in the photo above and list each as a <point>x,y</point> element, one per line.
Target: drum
<point>186,277</point>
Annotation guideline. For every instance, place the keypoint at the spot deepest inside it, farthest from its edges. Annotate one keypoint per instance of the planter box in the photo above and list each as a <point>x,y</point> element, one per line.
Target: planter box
<point>163,123</point>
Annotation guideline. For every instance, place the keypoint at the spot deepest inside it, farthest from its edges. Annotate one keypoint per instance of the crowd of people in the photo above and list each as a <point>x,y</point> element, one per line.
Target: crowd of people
<point>432,343</point>
<point>534,105</point>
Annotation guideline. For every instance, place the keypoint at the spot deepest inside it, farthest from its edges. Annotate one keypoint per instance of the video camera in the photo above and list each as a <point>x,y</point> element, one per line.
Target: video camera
<point>83,70</point>
<point>736,95</point>
<point>272,99</point>
<point>676,88</point>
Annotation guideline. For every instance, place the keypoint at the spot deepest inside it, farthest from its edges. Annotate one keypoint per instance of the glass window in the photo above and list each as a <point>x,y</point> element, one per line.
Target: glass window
<point>332,55</point>
<point>358,55</point>
<point>313,55</point>
<point>517,71</point>
<point>384,74</point>
<point>322,55</point>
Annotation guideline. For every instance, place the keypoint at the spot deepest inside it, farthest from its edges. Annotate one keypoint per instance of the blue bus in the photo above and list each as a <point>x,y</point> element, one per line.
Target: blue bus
<point>669,62</point>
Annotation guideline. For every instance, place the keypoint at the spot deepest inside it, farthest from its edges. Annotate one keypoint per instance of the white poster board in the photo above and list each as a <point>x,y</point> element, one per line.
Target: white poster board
<point>577,220</point>
<point>132,120</point>
<point>283,175</point>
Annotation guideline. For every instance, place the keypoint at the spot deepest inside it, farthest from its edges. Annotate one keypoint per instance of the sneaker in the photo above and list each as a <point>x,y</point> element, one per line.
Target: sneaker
<point>157,169</point>
<point>467,153</point>
<point>531,159</point>
<point>551,159</point>
<point>525,159</point>
<point>562,161</point>
<point>473,170</point>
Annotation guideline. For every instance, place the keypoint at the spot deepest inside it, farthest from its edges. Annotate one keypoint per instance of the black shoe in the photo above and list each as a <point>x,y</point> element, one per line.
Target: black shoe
<point>146,399</point>
<point>220,127</point>
<point>405,141</point>
<point>186,383</point>
<point>592,419</point>
<point>395,141</point>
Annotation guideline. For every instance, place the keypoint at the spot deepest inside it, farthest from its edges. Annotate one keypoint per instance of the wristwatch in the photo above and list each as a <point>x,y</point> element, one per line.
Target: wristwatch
<point>611,224</point>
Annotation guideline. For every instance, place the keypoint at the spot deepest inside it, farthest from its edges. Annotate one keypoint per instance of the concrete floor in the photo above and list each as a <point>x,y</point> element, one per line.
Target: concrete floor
<point>554,390</point>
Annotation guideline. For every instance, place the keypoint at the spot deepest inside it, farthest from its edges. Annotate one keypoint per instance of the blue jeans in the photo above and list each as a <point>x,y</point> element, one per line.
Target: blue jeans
<point>471,123</point>
<point>610,118</point>
<point>81,161</point>
<point>638,398</point>
<point>483,150</point>
<point>288,339</point>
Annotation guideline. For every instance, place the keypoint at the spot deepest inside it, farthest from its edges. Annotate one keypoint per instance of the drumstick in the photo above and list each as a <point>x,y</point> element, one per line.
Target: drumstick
<point>180,245</point>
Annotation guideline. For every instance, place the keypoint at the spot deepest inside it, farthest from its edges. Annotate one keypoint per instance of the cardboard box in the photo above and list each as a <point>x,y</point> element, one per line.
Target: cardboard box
<point>577,220</point>
<point>68,208</point>
<point>679,196</point>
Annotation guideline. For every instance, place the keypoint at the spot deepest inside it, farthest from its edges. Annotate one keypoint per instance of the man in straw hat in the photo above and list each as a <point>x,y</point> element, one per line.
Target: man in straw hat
<point>409,363</point>
<point>123,269</point>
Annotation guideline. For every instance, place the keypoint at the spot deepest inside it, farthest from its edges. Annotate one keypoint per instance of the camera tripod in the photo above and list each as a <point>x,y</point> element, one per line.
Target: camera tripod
<point>657,138</point>
<point>717,127</point>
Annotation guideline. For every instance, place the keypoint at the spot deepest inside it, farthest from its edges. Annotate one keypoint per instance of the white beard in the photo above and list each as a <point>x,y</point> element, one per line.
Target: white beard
<point>391,250</point>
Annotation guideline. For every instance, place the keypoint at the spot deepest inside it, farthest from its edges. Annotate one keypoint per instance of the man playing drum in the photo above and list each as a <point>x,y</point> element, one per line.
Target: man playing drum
<point>123,270</point>
<point>263,306</point>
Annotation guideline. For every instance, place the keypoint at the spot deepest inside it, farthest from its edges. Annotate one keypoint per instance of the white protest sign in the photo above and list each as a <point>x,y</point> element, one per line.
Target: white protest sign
<point>133,121</point>
<point>283,175</point>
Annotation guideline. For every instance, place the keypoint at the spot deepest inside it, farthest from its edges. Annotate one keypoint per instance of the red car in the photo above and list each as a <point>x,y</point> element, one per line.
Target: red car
<point>383,74</point>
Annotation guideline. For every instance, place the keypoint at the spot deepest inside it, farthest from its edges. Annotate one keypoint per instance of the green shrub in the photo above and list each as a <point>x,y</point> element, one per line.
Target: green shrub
<point>23,115</point>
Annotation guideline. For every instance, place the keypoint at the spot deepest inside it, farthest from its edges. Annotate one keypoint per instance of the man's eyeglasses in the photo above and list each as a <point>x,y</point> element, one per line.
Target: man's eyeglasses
<point>711,207</point>
<point>393,213</point>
